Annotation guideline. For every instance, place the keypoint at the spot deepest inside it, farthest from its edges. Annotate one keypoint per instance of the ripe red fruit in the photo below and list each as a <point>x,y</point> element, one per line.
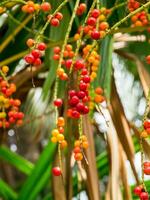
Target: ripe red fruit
<point>86,79</point>
<point>29,58</point>
<point>84,71</point>
<point>46,6</point>
<point>77,150</point>
<point>148,59</point>
<point>41,46</point>
<point>36,53</point>
<point>56,171</point>
<point>138,190</point>
<point>74,101</point>
<point>57,50</point>
<point>72,93</point>
<point>75,114</point>
<point>147,170</point>
<point>144,196</point>
<point>82,86</point>
<point>146,164</point>
<point>59,16</point>
<point>68,63</point>
<point>91,21</point>
<point>79,64</point>
<point>95,13</point>
<point>81,9</point>
<point>58,102</point>
<point>95,35</point>
<point>86,110</point>
<point>20,115</point>
<point>80,107</point>
<point>56,56</point>
<point>54,22</point>
<point>146,124</point>
<point>81,94</point>
<point>37,62</point>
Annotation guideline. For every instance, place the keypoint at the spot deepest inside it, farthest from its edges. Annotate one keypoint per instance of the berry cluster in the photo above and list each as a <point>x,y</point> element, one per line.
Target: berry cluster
<point>68,53</point>
<point>140,19</point>
<point>57,134</point>
<point>37,51</point>
<point>31,7</point>
<point>139,191</point>
<point>55,20</point>
<point>79,145</point>
<point>133,5</point>
<point>93,60</point>
<point>9,107</point>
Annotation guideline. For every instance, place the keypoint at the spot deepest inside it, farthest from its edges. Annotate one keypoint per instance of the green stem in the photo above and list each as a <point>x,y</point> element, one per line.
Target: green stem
<point>118,6</point>
<point>15,1</point>
<point>79,42</point>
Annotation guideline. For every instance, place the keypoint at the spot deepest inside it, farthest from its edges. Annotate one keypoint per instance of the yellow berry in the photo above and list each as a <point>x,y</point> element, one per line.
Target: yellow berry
<point>63,144</point>
<point>55,132</point>
<point>60,137</point>
<point>5,69</point>
<point>85,144</point>
<point>54,139</point>
<point>76,36</point>
<point>77,143</point>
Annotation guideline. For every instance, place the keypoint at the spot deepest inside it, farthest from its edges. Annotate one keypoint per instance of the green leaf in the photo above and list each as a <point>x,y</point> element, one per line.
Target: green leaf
<point>6,192</point>
<point>105,69</point>
<point>14,159</point>
<point>39,175</point>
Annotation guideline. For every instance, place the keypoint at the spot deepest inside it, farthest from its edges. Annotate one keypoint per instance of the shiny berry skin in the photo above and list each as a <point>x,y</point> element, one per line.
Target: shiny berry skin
<point>83,86</point>
<point>54,22</point>
<point>77,150</point>
<point>58,102</point>
<point>68,63</point>
<point>74,101</point>
<point>36,53</point>
<point>86,79</point>
<point>56,171</point>
<point>144,196</point>
<point>41,46</point>
<point>79,64</point>
<point>95,13</point>
<point>59,16</point>
<point>84,71</point>
<point>57,50</point>
<point>146,164</point>
<point>91,21</point>
<point>45,6</point>
<point>80,107</point>
<point>146,124</point>
<point>86,110</point>
<point>137,190</point>
<point>81,94</point>
<point>147,170</point>
<point>95,35</point>
<point>29,58</point>
<point>37,62</point>
<point>72,93</point>
<point>75,114</point>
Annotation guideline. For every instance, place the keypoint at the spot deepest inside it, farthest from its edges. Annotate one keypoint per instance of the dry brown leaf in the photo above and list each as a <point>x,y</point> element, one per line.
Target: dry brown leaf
<point>92,182</point>
<point>122,127</point>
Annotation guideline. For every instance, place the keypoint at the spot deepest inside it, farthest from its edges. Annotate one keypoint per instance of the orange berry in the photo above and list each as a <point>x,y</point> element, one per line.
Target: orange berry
<point>93,74</point>
<point>83,138</point>
<point>64,77</point>
<point>30,42</point>
<point>19,122</point>
<point>94,68</point>
<point>63,144</point>
<point>99,90</point>
<point>60,71</point>
<point>78,156</point>
<point>77,150</point>
<point>138,23</point>
<point>99,98</point>
<point>76,36</point>
<point>144,134</point>
<point>85,144</point>
<point>60,121</point>
<point>68,47</point>
<point>77,143</point>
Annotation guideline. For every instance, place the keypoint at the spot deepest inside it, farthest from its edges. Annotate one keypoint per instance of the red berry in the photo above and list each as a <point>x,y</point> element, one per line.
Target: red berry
<point>148,59</point>
<point>91,21</point>
<point>83,86</point>
<point>68,63</point>
<point>41,46</point>
<point>11,120</point>
<point>56,171</point>
<point>84,71</point>
<point>29,58</point>
<point>20,115</point>
<point>36,53</point>
<point>56,57</point>
<point>58,102</point>
<point>57,50</point>
<point>144,196</point>
<point>54,22</point>
<point>138,190</point>
<point>95,13</point>
<point>80,107</point>
<point>81,94</point>
<point>46,6</point>
<point>79,64</point>
<point>146,124</point>
<point>146,164</point>
<point>74,101</point>
<point>59,16</point>
<point>37,62</point>
<point>95,35</point>
<point>86,110</point>
<point>72,93</point>
<point>147,170</point>
<point>86,79</point>
<point>77,150</point>
<point>75,114</point>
